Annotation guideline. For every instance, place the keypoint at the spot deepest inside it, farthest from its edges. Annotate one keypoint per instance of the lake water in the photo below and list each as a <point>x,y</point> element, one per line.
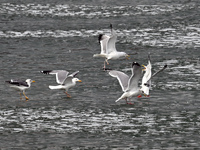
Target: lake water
<point>44,35</point>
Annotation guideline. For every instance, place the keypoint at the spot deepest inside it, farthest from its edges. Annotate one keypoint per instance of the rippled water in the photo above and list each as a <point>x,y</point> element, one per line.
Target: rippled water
<point>63,35</point>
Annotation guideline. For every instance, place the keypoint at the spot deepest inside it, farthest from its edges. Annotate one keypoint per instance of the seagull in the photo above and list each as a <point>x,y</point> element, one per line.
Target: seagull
<point>128,84</point>
<point>108,49</point>
<point>146,82</point>
<point>21,85</point>
<point>64,80</point>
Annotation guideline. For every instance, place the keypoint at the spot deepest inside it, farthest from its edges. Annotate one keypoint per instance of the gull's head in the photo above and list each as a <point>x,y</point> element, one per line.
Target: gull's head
<point>29,81</point>
<point>76,80</point>
<point>123,54</point>
<point>145,92</point>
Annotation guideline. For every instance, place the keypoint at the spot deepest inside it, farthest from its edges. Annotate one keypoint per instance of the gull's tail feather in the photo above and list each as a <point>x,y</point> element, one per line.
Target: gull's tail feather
<point>118,99</point>
<point>99,55</point>
<point>124,95</point>
<point>55,87</point>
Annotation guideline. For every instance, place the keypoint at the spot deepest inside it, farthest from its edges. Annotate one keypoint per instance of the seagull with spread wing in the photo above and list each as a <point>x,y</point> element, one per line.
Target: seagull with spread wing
<point>146,80</point>
<point>64,80</point>
<point>108,49</point>
<point>129,85</point>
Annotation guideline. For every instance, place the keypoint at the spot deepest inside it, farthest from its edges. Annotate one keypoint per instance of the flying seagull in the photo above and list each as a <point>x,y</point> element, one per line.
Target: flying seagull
<point>146,80</point>
<point>108,49</point>
<point>128,84</point>
<point>64,80</point>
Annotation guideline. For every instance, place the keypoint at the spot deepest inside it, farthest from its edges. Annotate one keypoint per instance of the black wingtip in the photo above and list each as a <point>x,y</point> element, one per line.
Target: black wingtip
<point>165,66</point>
<point>107,69</point>
<point>111,26</point>
<point>45,71</point>
<point>100,37</point>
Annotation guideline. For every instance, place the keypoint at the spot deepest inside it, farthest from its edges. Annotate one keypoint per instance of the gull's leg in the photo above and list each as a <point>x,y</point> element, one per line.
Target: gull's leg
<point>25,96</point>
<point>107,61</point>
<point>129,102</point>
<point>104,66</point>
<point>126,99</point>
<point>139,96</point>
<point>20,95</point>
<point>68,95</point>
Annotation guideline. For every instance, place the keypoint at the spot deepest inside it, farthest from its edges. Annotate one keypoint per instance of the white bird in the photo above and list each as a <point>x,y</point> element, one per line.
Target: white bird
<point>21,85</point>
<point>108,49</point>
<point>128,84</point>
<point>64,80</point>
<point>146,82</point>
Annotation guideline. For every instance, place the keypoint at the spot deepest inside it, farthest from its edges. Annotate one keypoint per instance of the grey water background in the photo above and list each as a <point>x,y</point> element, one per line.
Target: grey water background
<point>40,35</point>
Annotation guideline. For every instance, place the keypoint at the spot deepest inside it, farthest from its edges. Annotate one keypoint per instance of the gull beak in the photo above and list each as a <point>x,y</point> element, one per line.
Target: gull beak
<point>33,81</point>
<point>127,57</point>
<point>79,81</point>
<point>144,68</point>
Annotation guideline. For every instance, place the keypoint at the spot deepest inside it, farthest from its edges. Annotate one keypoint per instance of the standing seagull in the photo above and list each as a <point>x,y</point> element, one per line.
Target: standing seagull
<point>108,50</point>
<point>128,84</point>
<point>66,81</point>
<point>21,85</point>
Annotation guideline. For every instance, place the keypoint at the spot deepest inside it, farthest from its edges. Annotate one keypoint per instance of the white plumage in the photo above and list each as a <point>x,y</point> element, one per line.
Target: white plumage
<point>21,85</point>
<point>64,80</point>
<point>108,49</point>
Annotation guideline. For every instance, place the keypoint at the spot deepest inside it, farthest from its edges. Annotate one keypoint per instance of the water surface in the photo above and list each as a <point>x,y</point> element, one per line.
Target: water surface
<point>64,35</point>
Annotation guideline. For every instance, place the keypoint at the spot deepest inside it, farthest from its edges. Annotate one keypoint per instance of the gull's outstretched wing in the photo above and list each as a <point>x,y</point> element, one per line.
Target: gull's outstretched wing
<point>122,78</point>
<point>103,40</point>
<point>68,81</point>
<point>111,42</point>
<point>148,82</point>
<point>74,74</point>
<point>147,75</point>
<point>134,79</point>
<point>61,75</point>
<point>165,66</point>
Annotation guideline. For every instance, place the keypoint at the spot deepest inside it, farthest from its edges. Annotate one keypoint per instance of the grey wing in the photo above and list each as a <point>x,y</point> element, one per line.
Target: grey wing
<point>111,42</point>
<point>134,79</point>
<point>122,78</point>
<point>68,80</point>
<point>61,75</point>
<point>74,74</point>
<point>103,40</point>
<point>157,72</point>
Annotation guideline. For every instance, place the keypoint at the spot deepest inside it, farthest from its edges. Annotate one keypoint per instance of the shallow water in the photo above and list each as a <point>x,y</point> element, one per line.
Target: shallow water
<point>64,35</point>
